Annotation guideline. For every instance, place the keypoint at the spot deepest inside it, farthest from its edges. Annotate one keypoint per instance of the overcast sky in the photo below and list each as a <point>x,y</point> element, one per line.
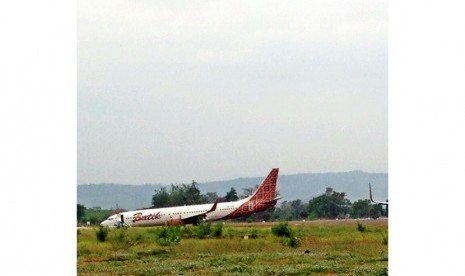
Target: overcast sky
<point>171,91</point>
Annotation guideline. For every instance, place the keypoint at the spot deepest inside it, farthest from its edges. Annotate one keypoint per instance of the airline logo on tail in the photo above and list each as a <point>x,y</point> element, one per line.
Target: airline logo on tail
<point>261,200</point>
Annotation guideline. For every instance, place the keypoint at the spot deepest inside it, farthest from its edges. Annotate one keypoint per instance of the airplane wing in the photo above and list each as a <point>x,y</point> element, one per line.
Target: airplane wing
<point>377,202</point>
<point>194,218</point>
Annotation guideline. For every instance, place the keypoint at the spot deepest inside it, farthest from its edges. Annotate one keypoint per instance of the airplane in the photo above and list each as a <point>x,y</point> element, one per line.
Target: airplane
<point>262,199</point>
<point>377,202</point>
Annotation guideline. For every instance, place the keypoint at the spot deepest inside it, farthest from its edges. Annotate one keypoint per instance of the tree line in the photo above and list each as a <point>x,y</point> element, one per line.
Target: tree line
<point>329,205</point>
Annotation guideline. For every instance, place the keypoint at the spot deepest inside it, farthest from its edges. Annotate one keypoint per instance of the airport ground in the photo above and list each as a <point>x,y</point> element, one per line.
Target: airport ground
<point>326,247</point>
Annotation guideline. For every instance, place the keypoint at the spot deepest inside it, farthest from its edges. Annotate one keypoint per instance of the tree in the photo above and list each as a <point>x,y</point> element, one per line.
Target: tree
<point>376,211</point>
<point>293,210</point>
<point>231,195</point>
<point>248,191</point>
<point>267,214</point>
<point>178,195</point>
<point>211,197</point>
<point>329,205</point>
<point>299,210</point>
<point>284,212</point>
<point>160,198</point>
<point>95,216</point>
<point>360,208</point>
<point>193,195</point>
<point>363,208</point>
<point>81,209</point>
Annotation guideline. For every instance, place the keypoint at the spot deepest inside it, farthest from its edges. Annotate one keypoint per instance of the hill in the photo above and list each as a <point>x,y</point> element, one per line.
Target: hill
<point>113,196</point>
<point>303,186</point>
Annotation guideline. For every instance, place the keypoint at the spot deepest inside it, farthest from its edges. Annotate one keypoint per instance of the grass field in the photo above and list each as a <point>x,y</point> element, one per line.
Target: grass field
<point>325,248</point>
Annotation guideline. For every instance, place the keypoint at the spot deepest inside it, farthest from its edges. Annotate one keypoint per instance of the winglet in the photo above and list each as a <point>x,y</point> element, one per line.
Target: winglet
<point>213,207</point>
<point>377,202</point>
<point>371,197</point>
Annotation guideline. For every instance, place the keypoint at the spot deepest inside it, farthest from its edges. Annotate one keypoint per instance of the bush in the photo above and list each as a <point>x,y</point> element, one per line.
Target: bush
<point>293,242</point>
<point>169,235</point>
<point>253,233</point>
<point>121,240</point>
<point>360,227</point>
<point>284,230</point>
<point>203,230</point>
<point>187,231</point>
<point>102,233</point>
<point>281,230</point>
<point>217,230</point>
<point>231,232</point>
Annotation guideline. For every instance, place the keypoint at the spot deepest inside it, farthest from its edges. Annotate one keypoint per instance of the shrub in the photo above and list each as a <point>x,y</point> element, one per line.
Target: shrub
<point>253,234</point>
<point>293,242</point>
<point>230,232</point>
<point>121,240</point>
<point>102,233</point>
<point>281,230</point>
<point>187,231</point>
<point>360,227</point>
<point>169,235</point>
<point>217,230</point>
<point>203,230</point>
<point>284,230</point>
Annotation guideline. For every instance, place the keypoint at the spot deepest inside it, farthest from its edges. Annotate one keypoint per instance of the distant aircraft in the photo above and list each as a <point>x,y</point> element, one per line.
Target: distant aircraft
<point>262,199</point>
<point>377,202</point>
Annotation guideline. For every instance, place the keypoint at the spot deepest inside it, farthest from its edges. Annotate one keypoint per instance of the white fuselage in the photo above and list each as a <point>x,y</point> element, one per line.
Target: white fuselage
<point>162,216</point>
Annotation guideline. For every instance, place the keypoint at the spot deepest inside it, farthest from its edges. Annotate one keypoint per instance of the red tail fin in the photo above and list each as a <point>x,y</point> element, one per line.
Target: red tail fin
<point>261,200</point>
<point>267,190</point>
